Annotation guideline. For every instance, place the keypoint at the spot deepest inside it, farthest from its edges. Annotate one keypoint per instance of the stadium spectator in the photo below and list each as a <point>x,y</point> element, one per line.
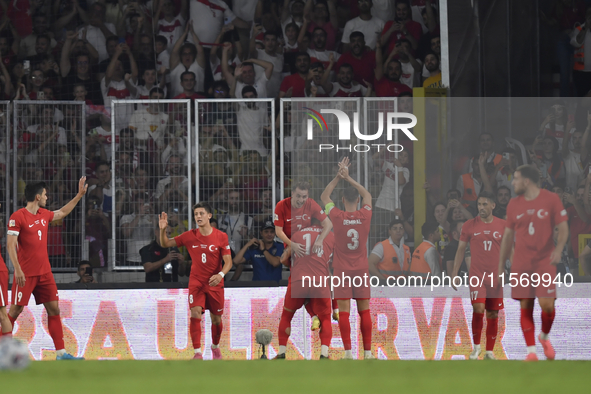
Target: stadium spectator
<point>150,78</point>
<point>209,17</point>
<point>235,222</point>
<point>582,66</point>
<point>162,54</point>
<point>452,248</point>
<point>394,169</point>
<point>127,143</point>
<point>387,84</point>
<point>265,208</point>
<point>366,23</point>
<point>548,161</point>
<point>411,67</point>
<point>294,85</point>
<point>471,184</point>
<point>162,264</point>
<point>558,123</point>
<point>98,233</point>
<point>79,74</point>
<point>575,157</point>
<point>271,54</point>
<point>245,75</point>
<point>149,124</point>
<point>140,184</point>
<point>235,56</point>
<point>345,86</point>
<point>503,198</point>
<point>170,22</point>
<point>264,255</point>
<point>138,229</point>
<point>439,215</point>
<point>186,57</point>
<point>40,28</point>
<point>425,259</point>
<point>84,272</point>
<point>403,27</point>
<point>252,121</point>
<point>116,84</point>
<point>319,53</point>
<point>176,181</point>
<point>390,257</point>
<point>292,12</point>
<point>323,15</point>
<point>360,58</point>
<point>97,31</point>
<point>432,65</point>
<point>101,188</point>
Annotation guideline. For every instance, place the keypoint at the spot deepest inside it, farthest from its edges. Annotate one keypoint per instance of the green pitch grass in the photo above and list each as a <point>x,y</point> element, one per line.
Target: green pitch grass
<point>308,377</point>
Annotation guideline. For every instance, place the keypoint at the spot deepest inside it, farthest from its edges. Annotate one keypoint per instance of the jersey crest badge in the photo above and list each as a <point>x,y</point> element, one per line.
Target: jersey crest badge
<point>12,223</point>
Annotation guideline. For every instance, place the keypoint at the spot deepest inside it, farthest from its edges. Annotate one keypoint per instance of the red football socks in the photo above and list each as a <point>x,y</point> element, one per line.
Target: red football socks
<point>284,324</point>
<point>492,328</point>
<point>216,333</point>
<point>345,328</point>
<point>366,328</point>
<point>12,320</point>
<point>56,331</point>
<point>547,320</point>
<point>477,323</point>
<point>527,326</point>
<point>195,329</point>
<point>325,330</point>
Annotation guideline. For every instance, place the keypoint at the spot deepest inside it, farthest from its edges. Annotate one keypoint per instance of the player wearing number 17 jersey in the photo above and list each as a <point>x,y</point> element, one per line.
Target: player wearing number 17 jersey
<point>483,234</point>
<point>531,219</point>
<point>208,247</point>
<point>351,229</point>
<point>27,248</point>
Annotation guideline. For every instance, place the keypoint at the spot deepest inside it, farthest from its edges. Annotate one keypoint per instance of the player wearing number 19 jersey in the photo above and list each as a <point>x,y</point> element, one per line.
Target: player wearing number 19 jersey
<point>531,219</point>
<point>27,247</point>
<point>208,247</point>
<point>483,234</point>
<point>351,228</point>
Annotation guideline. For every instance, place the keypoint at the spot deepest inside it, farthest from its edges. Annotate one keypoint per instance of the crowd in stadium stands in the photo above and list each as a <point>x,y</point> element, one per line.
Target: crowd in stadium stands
<point>94,51</point>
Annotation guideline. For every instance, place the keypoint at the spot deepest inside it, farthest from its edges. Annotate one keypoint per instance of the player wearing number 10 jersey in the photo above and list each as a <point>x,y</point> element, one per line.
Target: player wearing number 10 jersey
<point>207,247</point>
<point>483,234</point>
<point>531,219</point>
<point>351,229</point>
<point>27,247</point>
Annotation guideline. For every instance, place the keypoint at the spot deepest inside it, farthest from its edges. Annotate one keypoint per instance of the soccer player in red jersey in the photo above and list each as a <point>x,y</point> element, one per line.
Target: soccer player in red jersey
<point>484,234</point>
<point>5,323</point>
<point>351,228</point>
<point>314,266</point>
<point>208,247</point>
<point>27,248</point>
<point>293,214</point>
<point>531,219</point>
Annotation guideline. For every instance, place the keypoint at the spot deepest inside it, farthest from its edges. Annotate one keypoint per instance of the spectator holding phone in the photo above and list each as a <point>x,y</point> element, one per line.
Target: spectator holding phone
<point>162,264</point>
<point>264,254</point>
<point>85,273</point>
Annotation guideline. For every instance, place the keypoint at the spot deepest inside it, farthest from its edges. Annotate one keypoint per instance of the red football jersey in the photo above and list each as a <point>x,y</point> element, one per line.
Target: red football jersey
<point>32,240</point>
<point>534,222</point>
<point>485,244</point>
<point>351,229</point>
<point>3,265</point>
<point>292,219</point>
<point>312,264</point>
<point>206,252</point>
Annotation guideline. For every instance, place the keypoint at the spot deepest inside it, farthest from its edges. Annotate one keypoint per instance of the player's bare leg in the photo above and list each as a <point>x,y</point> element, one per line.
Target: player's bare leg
<point>5,323</point>
<point>492,329</point>
<point>477,323</point>
<point>366,327</point>
<point>216,334</point>
<point>284,332</point>
<point>528,328</point>
<point>195,328</point>
<point>56,331</point>
<point>548,312</point>
<point>14,312</point>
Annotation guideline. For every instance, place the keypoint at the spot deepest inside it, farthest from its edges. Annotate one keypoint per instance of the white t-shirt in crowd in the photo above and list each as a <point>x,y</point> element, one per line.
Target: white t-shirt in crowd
<point>148,125</point>
<point>250,127</point>
<point>245,9</point>
<point>118,90</point>
<point>574,170</point>
<point>60,139</point>
<point>355,90</point>
<point>108,139</point>
<point>216,67</point>
<point>171,30</point>
<point>409,75</point>
<point>175,78</point>
<point>274,83</point>
<point>260,84</point>
<point>388,198</point>
<point>208,19</point>
<point>161,186</point>
<point>371,29</point>
<point>142,235</point>
<point>97,39</point>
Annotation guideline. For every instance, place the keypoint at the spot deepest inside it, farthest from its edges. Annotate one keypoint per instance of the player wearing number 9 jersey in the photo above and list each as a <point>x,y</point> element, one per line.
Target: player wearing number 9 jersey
<point>27,248</point>
<point>483,234</point>
<point>208,247</point>
<point>531,218</point>
<point>351,229</point>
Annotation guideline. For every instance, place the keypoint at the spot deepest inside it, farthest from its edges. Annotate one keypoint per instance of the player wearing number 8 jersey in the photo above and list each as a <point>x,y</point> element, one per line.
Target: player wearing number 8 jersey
<point>531,218</point>
<point>27,248</point>
<point>483,234</point>
<point>351,228</point>
<point>208,247</point>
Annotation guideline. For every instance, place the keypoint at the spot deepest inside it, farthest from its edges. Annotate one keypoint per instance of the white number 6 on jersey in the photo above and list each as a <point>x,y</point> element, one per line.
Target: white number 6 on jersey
<point>531,230</point>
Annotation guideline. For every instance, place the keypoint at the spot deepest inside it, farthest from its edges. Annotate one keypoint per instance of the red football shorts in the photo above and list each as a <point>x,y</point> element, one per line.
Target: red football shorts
<point>43,287</point>
<point>478,295</point>
<point>320,306</point>
<point>207,297</point>
<point>3,288</point>
<point>542,270</point>
<point>353,288</point>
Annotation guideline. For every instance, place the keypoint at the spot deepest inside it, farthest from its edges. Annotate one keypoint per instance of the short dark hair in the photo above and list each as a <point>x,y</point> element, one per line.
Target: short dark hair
<point>319,28</point>
<point>157,90</point>
<point>292,25</point>
<point>302,185</point>
<point>188,72</point>
<point>486,194</point>
<point>316,65</point>
<point>192,47</point>
<point>103,163</point>
<point>395,222</point>
<point>430,53</point>
<point>161,39</point>
<point>487,133</point>
<point>350,194</point>
<point>530,172</point>
<point>111,38</point>
<point>83,262</point>
<point>221,84</point>
<point>356,34</point>
<point>429,228</point>
<point>306,54</point>
<point>127,130</point>
<point>346,65</point>
<point>249,89</point>
<point>46,36</point>
<point>270,33</point>
<point>33,189</point>
<point>404,40</point>
<point>203,205</point>
<point>453,226</point>
<point>503,187</point>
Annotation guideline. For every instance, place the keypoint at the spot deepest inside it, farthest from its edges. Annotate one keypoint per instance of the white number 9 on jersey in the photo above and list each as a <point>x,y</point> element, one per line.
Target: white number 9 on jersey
<point>39,233</point>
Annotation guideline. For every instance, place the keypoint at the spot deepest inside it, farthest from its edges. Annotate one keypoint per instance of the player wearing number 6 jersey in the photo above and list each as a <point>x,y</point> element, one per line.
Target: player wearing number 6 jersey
<point>27,248</point>
<point>484,234</point>
<point>531,218</point>
<point>207,247</point>
<point>351,229</point>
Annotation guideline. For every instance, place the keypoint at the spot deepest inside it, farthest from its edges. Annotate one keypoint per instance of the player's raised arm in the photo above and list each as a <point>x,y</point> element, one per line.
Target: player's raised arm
<point>506,246</point>
<point>325,196</point>
<point>281,235</point>
<point>11,243</point>
<point>344,173</point>
<point>66,209</point>
<point>460,253</point>
<point>164,240</point>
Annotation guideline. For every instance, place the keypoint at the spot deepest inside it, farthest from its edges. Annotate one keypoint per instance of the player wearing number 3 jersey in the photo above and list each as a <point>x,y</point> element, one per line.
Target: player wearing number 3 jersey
<point>208,247</point>
<point>351,229</point>
<point>483,234</point>
<point>531,219</point>
<point>27,248</point>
